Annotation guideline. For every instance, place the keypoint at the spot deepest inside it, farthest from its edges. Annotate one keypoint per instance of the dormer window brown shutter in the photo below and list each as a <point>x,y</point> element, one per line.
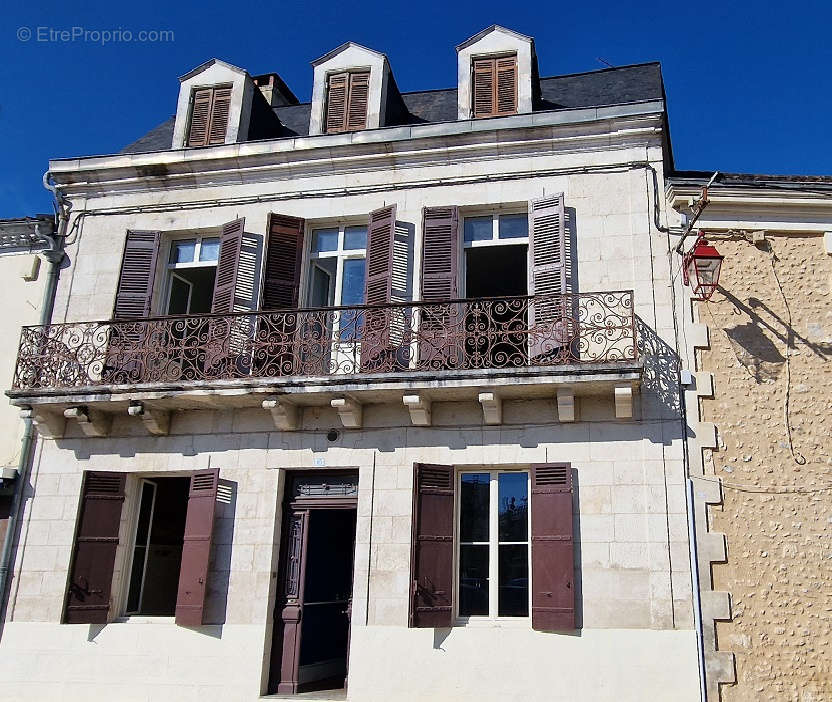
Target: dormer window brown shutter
<point>346,101</point>
<point>209,115</point>
<point>494,86</point>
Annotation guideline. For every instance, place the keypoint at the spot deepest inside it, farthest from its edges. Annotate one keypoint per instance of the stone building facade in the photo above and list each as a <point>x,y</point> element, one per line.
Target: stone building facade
<point>767,363</point>
<point>485,466</point>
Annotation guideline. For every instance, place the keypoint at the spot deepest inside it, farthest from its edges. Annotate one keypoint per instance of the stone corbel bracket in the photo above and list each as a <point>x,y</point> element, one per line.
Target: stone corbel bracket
<point>156,421</point>
<point>50,425</point>
<point>419,407</point>
<point>566,405</point>
<point>349,412</point>
<point>93,423</point>
<point>492,407</point>
<point>285,415</point>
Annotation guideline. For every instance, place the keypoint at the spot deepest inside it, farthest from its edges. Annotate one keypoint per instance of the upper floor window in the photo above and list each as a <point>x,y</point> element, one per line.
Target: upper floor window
<point>209,115</point>
<point>192,272</point>
<point>346,101</point>
<point>494,89</point>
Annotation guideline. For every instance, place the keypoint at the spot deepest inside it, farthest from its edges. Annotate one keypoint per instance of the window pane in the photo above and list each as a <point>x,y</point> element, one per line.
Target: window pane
<point>210,249</point>
<point>514,506</point>
<point>514,226</point>
<point>352,293</point>
<point>321,283</point>
<point>477,228</point>
<point>473,512</point>
<point>355,238</point>
<point>513,592</point>
<point>324,240</point>
<point>473,580</point>
<point>140,548</point>
<point>183,251</point>
<point>180,296</point>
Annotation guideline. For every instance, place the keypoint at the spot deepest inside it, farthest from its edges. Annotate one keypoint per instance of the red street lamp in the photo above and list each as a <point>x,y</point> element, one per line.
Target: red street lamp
<point>700,268</point>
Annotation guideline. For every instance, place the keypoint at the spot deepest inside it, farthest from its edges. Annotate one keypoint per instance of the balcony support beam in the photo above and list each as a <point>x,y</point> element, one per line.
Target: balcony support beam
<point>285,415</point>
<point>156,421</point>
<point>50,425</point>
<point>419,407</point>
<point>623,401</point>
<point>492,407</point>
<point>566,405</point>
<point>93,423</point>
<point>350,412</point>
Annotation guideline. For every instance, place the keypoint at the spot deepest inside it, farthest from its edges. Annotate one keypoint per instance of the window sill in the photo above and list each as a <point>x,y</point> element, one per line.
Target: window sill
<point>143,619</point>
<point>486,623</point>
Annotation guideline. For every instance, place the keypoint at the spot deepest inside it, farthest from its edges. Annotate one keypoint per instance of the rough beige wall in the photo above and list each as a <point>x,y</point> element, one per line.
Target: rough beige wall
<point>779,568</point>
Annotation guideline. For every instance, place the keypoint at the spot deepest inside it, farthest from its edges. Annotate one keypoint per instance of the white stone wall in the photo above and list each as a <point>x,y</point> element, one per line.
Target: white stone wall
<point>636,640</point>
<point>22,301</point>
<point>632,554</point>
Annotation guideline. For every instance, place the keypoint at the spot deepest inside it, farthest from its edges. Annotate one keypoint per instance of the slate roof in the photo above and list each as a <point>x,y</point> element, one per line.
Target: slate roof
<point>608,86</point>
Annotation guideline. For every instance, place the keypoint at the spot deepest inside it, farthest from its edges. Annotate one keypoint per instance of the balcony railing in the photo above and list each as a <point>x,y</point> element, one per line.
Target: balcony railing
<point>483,333</point>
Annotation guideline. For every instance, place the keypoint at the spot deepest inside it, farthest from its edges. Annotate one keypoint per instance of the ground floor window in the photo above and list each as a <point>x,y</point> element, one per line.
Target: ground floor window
<point>157,549</point>
<point>493,545</point>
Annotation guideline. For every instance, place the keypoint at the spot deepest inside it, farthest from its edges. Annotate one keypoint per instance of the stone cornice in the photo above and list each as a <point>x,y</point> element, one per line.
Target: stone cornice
<point>601,128</point>
<point>773,208</point>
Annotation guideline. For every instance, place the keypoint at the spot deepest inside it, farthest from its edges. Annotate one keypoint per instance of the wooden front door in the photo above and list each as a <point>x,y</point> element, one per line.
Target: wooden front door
<point>313,604</point>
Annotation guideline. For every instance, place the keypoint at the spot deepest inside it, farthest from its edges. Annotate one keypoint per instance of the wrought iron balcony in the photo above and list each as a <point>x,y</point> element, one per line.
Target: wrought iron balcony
<point>459,335</point>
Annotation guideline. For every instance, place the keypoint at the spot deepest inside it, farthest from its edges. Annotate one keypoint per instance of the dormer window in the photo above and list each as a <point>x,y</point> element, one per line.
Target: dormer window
<point>210,108</point>
<point>347,97</point>
<point>494,81</point>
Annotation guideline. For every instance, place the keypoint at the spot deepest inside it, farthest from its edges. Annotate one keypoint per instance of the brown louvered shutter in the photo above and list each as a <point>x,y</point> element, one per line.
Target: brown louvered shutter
<point>336,102</point>
<point>358,99</point>
<point>225,284</point>
<point>483,89</point>
<point>380,233</point>
<point>138,270</point>
<point>220,107</point>
<point>378,286</point>
<point>506,72</point>
<point>432,546</point>
<point>440,262</point>
<point>200,117</point>
<point>494,89</point>
<point>284,252</point>
<point>196,549</point>
<point>553,558</point>
<point>94,553</point>
<point>440,253</point>
<point>547,275</point>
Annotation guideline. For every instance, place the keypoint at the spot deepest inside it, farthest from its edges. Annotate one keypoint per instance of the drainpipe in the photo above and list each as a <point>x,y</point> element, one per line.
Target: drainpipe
<point>697,600</point>
<point>54,256</point>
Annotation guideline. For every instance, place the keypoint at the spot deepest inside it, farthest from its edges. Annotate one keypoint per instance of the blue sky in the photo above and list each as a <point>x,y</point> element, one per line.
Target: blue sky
<point>748,84</point>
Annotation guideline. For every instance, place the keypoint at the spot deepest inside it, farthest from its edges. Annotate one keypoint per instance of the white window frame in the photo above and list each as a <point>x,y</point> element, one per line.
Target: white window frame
<point>340,254</point>
<point>132,554</point>
<point>171,268</point>
<point>493,544</point>
<point>495,214</point>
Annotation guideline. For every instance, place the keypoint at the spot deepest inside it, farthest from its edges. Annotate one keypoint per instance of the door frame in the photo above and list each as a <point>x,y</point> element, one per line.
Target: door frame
<point>288,604</point>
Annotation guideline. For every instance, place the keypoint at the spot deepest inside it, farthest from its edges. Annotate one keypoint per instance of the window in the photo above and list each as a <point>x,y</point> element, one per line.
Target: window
<point>337,273</point>
<point>209,115</point>
<point>346,101</point>
<point>157,547</point>
<point>493,544</point>
<point>495,260</point>
<point>192,271</point>
<point>494,89</point>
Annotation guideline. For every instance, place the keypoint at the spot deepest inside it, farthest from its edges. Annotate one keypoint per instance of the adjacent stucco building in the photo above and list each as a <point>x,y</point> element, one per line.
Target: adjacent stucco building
<point>761,454</point>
